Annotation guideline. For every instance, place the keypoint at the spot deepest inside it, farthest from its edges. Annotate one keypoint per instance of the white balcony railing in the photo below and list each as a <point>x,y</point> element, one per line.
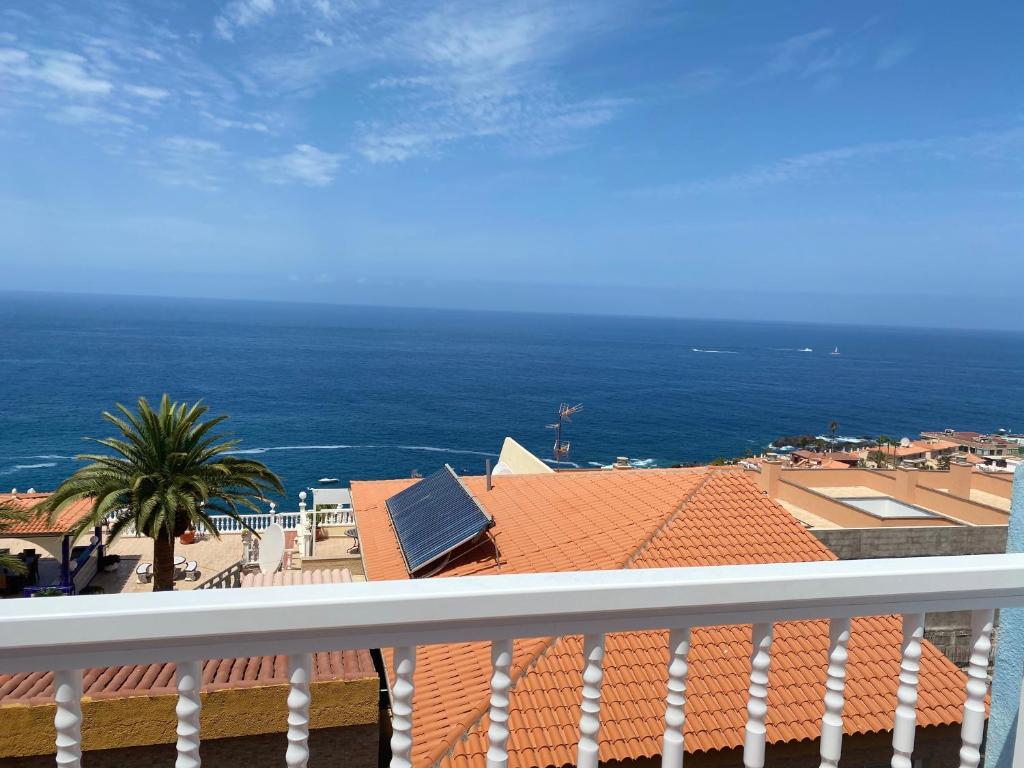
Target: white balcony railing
<point>226,524</point>
<point>188,627</point>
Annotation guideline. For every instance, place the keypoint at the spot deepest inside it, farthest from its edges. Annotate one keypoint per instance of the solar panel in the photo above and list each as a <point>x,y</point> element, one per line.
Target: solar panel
<point>435,516</point>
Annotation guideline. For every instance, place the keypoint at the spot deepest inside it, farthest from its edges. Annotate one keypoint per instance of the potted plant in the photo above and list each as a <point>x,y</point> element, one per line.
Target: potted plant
<point>50,592</point>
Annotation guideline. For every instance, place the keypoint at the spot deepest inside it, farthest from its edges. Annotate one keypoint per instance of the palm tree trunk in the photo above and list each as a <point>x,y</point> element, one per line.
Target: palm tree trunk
<point>163,562</point>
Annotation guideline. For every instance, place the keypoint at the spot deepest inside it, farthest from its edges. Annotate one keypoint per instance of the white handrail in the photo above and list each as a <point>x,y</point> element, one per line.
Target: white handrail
<point>103,630</point>
<point>227,524</point>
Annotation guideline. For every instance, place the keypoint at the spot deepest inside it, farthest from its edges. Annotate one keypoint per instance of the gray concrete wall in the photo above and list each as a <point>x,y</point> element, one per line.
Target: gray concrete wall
<point>950,631</point>
<point>872,543</point>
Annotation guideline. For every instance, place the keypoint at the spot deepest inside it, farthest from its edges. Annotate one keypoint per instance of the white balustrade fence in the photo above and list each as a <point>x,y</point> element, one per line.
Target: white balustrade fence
<point>225,524</point>
<point>329,517</point>
<point>106,630</point>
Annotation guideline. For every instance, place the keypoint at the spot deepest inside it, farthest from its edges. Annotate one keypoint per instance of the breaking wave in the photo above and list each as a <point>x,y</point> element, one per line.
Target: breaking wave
<point>345,447</point>
<point>554,463</point>
<point>633,463</point>
<point>21,467</point>
<point>716,351</point>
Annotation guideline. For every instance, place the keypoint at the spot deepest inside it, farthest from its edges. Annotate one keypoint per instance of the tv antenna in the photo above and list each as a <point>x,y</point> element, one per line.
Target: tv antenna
<point>561,448</point>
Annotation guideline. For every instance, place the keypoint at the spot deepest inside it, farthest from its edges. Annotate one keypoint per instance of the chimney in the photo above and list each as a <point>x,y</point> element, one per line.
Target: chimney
<point>906,485</point>
<point>487,470</point>
<point>770,471</point>
<point>960,474</point>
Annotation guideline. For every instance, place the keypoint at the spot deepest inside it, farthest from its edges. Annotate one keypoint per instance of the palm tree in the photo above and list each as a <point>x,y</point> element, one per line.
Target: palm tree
<point>168,472</point>
<point>833,427</point>
<point>887,458</point>
<point>9,514</point>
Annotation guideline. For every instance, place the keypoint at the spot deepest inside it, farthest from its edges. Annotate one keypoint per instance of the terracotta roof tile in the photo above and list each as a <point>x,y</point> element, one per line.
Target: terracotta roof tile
<point>36,688</point>
<point>41,524</point>
<point>639,519</point>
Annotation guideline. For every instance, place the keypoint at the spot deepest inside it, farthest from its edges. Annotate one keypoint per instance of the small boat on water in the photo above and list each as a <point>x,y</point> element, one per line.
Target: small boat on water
<point>328,480</point>
<point>834,352</point>
<point>805,349</point>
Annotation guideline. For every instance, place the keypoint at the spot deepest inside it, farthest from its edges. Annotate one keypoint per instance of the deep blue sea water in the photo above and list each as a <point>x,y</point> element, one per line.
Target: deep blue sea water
<point>359,393</point>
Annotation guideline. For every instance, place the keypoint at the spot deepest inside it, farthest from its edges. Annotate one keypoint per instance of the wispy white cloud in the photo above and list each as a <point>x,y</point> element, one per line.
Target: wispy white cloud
<point>700,81</point>
<point>413,81</point>
<point>400,143</point>
<point>829,60</point>
<point>150,92</point>
<point>822,56</point>
<point>127,59</point>
<point>224,123</point>
<point>468,72</point>
<point>186,161</point>
<point>240,14</point>
<point>1004,147</point>
<point>799,167</point>
<point>62,70</point>
<point>321,37</point>
<point>328,9</point>
<point>243,14</point>
<point>304,165</point>
<point>191,145</point>
<point>893,54</point>
<point>791,54</point>
<point>84,114</point>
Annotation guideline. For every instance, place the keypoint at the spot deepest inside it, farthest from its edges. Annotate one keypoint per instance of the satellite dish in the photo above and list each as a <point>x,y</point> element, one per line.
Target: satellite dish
<point>271,548</point>
<point>905,442</point>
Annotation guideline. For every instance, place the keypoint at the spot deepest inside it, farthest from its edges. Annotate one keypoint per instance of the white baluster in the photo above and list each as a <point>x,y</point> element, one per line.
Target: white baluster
<point>67,694</point>
<point>673,748</point>
<point>501,684</point>
<point>189,677</point>
<point>835,686</point>
<point>300,667</point>
<point>973,728</point>
<point>906,694</point>
<point>757,696</point>
<point>590,706</point>
<point>401,707</point>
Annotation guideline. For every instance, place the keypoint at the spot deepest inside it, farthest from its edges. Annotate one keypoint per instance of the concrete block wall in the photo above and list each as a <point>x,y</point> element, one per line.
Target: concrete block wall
<point>873,543</point>
<point>950,632</point>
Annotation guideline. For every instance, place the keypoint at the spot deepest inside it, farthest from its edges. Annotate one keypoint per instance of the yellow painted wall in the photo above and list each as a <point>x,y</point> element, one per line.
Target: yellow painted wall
<point>144,720</point>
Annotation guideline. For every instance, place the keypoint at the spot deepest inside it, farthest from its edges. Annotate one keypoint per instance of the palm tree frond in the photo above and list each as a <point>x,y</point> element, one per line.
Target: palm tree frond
<point>167,469</point>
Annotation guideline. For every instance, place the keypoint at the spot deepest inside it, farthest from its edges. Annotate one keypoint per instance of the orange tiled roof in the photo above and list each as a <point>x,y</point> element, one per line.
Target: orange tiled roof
<point>916,447</point>
<point>835,457</point>
<point>41,525</point>
<point>640,519</point>
<point>36,688</point>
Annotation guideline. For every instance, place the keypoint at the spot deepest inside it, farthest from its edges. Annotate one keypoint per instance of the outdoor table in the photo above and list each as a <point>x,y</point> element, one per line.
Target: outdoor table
<point>179,560</point>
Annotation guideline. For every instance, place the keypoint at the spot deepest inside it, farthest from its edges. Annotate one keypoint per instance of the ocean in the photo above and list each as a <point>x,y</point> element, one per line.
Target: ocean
<point>367,393</point>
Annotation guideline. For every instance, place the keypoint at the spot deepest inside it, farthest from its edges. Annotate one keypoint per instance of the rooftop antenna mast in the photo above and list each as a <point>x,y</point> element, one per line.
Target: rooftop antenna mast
<point>561,448</point>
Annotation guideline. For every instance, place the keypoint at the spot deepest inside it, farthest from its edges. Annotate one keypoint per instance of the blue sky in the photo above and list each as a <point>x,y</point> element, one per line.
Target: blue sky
<point>799,160</point>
